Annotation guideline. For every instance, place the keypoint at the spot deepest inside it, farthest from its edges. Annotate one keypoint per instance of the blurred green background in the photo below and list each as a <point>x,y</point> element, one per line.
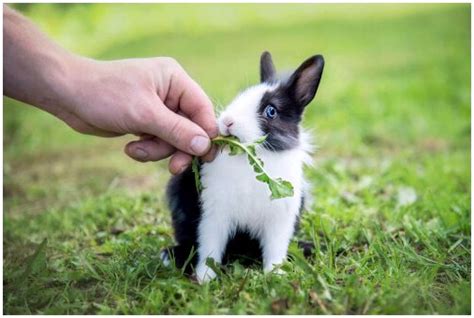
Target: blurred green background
<point>392,116</point>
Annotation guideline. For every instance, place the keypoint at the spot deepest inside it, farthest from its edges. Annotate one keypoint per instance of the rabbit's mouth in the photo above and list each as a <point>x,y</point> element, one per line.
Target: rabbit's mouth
<point>234,126</point>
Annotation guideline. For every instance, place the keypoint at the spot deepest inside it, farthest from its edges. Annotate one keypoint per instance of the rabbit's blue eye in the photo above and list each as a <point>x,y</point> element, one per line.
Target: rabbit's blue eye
<point>270,112</point>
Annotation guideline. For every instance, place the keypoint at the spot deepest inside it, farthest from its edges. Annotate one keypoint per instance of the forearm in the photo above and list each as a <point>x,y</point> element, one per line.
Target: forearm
<point>151,97</point>
<point>36,70</point>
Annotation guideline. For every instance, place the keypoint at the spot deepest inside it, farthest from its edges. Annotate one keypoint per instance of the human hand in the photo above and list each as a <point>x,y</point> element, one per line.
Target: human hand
<point>153,98</point>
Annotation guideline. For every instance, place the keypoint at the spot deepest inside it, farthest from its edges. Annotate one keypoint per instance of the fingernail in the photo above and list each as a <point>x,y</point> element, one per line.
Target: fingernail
<point>140,154</point>
<point>210,155</point>
<point>178,170</point>
<point>181,170</point>
<point>199,144</point>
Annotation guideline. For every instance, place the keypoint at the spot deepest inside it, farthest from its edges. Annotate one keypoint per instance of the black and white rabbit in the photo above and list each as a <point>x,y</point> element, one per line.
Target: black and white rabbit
<point>234,215</point>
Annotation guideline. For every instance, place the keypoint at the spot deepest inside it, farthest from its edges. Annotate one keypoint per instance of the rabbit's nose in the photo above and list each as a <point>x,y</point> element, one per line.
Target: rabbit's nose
<point>228,122</point>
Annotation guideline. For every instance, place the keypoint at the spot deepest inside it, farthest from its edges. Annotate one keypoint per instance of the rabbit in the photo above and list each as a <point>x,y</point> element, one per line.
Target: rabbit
<point>234,215</point>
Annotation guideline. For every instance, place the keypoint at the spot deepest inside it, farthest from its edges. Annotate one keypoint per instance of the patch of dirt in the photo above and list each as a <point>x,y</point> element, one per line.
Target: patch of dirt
<point>137,183</point>
<point>433,144</point>
<point>280,306</point>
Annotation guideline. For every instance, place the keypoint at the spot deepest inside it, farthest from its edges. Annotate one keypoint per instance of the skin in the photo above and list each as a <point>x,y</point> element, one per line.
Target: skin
<point>153,98</point>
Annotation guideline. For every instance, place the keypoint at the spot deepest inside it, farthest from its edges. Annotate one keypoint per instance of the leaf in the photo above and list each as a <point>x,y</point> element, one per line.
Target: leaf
<point>279,188</point>
<point>197,175</point>
<point>36,262</point>
<point>263,177</point>
<point>235,150</point>
<point>260,140</point>
<point>252,150</point>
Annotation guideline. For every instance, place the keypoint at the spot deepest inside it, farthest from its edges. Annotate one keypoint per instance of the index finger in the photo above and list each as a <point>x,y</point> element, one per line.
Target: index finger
<point>192,102</point>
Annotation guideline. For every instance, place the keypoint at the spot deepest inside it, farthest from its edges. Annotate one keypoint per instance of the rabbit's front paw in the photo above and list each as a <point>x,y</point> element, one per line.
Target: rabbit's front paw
<point>204,273</point>
<point>274,269</point>
<point>165,257</point>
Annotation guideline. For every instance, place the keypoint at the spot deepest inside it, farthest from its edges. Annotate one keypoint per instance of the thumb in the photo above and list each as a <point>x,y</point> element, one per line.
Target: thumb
<point>178,131</point>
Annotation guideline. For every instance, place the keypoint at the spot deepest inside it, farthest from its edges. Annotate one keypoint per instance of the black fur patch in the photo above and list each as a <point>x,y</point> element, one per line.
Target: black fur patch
<point>183,201</point>
<point>289,98</point>
<point>267,69</point>
<point>244,248</point>
<point>283,130</point>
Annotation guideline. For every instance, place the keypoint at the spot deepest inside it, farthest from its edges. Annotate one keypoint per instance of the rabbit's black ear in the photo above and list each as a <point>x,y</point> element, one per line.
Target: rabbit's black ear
<point>303,83</point>
<point>267,69</point>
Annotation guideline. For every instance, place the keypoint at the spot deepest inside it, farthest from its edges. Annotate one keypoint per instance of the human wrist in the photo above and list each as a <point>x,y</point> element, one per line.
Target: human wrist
<point>54,73</point>
<point>66,84</point>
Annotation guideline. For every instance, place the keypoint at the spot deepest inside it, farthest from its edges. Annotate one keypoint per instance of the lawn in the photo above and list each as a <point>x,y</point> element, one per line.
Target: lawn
<point>83,225</point>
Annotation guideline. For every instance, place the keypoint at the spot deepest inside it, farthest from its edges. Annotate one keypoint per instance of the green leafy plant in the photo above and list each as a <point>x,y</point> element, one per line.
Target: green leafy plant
<point>279,188</point>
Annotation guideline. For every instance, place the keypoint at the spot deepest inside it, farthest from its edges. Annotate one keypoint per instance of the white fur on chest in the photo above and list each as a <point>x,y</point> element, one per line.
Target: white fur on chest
<point>231,192</point>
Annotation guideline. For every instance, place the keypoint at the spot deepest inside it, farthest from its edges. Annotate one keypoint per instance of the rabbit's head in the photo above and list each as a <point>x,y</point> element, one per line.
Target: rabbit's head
<point>275,106</point>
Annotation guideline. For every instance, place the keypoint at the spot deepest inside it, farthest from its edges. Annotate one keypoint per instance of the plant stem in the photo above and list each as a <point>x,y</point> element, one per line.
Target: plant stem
<point>243,147</point>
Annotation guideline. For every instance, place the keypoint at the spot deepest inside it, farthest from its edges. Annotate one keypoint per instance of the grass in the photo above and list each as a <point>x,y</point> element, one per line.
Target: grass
<point>84,225</point>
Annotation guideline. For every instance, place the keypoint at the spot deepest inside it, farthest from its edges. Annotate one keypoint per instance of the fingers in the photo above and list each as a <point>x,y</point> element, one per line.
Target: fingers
<point>179,162</point>
<point>211,154</point>
<point>186,95</point>
<point>152,149</point>
<point>149,149</point>
<point>176,130</point>
<point>184,121</point>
